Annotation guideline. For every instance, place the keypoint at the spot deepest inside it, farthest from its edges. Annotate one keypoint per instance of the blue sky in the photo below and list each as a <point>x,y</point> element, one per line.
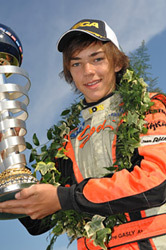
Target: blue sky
<point>39,24</point>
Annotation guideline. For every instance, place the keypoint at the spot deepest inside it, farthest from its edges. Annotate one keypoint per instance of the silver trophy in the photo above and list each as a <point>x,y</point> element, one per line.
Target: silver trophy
<point>13,112</point>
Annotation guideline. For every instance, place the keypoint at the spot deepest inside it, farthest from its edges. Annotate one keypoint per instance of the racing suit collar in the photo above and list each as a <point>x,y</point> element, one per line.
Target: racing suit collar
<point>110,102</point>
<point>87,105</point>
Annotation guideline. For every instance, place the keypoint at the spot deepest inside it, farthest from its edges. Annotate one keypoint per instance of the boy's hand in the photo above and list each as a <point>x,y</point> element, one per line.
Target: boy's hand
<point>36,201</point>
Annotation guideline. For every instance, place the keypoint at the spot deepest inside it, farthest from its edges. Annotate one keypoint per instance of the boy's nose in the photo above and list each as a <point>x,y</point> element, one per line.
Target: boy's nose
<point>88,69</point>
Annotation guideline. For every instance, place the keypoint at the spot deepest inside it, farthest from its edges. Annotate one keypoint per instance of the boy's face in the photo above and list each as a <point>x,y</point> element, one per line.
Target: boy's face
<point>92,72</point>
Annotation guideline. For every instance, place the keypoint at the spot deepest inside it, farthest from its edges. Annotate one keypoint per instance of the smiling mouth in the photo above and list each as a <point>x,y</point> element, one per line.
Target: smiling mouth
<point>92,83</point>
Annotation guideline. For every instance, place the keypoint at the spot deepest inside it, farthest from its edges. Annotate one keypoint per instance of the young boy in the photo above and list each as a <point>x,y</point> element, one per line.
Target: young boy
<point>94,64</point>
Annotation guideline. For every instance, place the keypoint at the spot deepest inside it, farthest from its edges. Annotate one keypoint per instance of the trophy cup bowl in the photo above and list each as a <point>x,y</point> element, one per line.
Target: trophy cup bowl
<point>14,99</point>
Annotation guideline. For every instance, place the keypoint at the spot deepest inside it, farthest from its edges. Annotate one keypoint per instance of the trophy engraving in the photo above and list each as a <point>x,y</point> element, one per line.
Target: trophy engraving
<point>13,112</point>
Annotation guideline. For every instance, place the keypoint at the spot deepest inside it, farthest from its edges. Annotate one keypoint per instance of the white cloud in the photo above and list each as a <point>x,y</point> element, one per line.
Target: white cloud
<point>140,20</point>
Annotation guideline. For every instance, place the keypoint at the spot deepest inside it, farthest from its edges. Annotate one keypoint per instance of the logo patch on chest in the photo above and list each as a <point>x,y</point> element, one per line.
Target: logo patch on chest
<point>85,136</point>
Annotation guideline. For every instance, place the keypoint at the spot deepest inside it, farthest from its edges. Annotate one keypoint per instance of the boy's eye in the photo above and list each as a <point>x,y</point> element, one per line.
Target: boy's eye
<point>75,64</point>
<point>98,59</point>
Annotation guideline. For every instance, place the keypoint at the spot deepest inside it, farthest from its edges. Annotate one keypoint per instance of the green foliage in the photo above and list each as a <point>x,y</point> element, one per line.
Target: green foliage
<point>70,222</point>
<point>136,104</point>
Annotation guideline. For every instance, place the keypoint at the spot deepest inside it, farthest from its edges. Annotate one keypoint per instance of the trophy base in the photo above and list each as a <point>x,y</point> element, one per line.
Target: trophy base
<point>11,182</point>
<point>9,194</point>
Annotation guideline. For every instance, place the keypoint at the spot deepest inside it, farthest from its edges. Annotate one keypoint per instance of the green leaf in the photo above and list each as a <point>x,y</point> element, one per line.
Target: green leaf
<point>33,166</point>
<point>44,168</point>
<point>65,112</point>
<point>56,130</point>
<point>44,148</point>
<point>58,230</point>
<point>94,225</point>
<point>144,130</point>
<point>31,157</point>
<point>55,145</point>
<point>44,155</point>
<point>35,140</point>
<point>49,134</point>
<point>101,237</point>
<point>47,177</point>
<point>61,153</point>
<point>132,118</point>
<point>28,145</point>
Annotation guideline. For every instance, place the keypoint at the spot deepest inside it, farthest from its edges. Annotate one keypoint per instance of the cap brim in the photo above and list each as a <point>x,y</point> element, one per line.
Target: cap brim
<point>71,33</point>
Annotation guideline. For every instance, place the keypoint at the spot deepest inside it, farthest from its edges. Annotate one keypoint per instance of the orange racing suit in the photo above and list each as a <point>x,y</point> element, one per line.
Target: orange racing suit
<point>139,192</point>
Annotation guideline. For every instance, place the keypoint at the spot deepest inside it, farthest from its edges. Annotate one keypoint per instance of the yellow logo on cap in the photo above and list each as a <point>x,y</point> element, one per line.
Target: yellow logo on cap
<point>84,24</point>
<point>94,33</point>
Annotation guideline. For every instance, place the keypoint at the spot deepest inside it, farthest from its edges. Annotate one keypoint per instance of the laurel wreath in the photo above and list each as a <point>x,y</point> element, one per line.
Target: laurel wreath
<point>136,103</point>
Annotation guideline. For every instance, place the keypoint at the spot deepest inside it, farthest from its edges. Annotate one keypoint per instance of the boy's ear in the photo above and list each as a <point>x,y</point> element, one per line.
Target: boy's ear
<point>118,68</point>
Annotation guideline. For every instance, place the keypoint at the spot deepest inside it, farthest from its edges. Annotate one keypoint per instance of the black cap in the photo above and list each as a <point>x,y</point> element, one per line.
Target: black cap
<point>96,28</point>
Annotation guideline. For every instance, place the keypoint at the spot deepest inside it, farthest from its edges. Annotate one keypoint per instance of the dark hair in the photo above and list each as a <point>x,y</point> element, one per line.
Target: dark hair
<point>82,41</point>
